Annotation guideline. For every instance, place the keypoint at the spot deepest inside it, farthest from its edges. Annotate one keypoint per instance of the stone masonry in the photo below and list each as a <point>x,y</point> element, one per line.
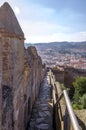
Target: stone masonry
<point>21,73</point>
<point>0,83</point>
<point>33,75</point>
<point>42,113</point>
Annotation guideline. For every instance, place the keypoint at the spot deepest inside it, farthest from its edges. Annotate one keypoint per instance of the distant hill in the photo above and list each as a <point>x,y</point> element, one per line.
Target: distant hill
<point>61,47</point>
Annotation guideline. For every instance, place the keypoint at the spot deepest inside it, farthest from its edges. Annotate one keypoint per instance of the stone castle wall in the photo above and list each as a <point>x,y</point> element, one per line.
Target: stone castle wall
<point>0,83</point>
<point>34,73</point>
<point>68,75</point>
<point>21,73</point>
<point>59,75</point>
<point>12,83</point>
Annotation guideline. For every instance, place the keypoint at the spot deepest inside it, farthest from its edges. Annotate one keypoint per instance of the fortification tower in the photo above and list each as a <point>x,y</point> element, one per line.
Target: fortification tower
<point>11,72</point>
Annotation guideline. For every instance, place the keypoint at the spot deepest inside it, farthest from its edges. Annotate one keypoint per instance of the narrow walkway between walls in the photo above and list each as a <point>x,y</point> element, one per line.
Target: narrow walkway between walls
<point>42,115</point>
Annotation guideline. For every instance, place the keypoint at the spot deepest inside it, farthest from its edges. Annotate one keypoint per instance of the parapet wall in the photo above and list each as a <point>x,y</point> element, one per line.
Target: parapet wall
<point>34,73</point>
<point>70,74</point>
<point>67,75</point>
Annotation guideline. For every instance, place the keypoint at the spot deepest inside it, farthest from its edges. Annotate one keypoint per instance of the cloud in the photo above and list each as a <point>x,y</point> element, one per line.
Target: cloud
<point>35,12</point>
<point>16,10</point>
<point>44,24</point>
<point>41,28</point>
<point>44,27</point>
<point>78,36</point>
<point>47,32</point>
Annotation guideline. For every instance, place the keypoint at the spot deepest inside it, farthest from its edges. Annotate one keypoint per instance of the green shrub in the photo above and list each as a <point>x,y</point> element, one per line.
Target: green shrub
<point>77,106</point>
<point>83,101</point>
<point>80,93</point>
<point>80,85</point>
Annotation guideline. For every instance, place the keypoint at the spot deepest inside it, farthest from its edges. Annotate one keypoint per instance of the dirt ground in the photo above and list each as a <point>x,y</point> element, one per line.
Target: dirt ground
<point>81,115</point>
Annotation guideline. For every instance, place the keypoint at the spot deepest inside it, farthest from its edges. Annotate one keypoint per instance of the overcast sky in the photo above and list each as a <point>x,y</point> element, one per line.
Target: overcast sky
<point>51,20</point>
